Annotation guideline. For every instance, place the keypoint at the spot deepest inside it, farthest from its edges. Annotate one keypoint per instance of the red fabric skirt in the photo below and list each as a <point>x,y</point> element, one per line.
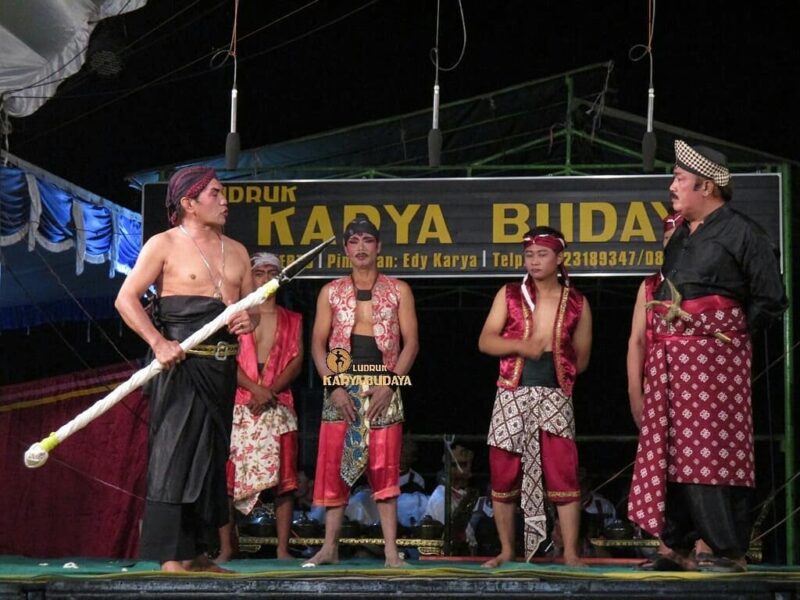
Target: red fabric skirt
<point>559,469</point>
<point>383,466</point>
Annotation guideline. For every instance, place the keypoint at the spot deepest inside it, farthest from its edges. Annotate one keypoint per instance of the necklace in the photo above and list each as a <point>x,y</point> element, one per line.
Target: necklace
<point>363,295</point>
<point>218,284</point>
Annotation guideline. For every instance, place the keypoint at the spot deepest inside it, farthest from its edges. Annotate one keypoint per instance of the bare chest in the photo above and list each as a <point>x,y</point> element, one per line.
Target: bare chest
<point>265,336</point>
<point>362,323</point>
<point>544,318</point>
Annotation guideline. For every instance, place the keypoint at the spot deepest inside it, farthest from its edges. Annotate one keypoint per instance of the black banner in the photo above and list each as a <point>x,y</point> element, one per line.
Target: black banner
<point>467,227</point>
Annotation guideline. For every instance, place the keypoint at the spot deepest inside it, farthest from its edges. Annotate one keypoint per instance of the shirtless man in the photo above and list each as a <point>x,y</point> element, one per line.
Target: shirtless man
<point>367,315</point>
<point>197,272</point>
<point>264,438</point>
<point>541,328</point>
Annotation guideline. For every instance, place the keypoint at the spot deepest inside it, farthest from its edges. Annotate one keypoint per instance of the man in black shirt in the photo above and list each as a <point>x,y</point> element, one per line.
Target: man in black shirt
<point>694,468</point>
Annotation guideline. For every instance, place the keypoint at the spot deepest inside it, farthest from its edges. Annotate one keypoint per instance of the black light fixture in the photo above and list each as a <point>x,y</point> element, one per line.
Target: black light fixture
<point>649,142</point>
<point>233,142</point>
<point>435,134</point>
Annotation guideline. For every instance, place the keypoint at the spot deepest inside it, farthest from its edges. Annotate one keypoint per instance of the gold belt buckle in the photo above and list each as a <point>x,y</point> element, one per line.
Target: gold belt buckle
<point>221,353</point>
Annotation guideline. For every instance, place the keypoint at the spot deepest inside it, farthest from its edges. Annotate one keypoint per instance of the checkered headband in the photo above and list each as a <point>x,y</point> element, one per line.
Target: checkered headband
<point>703,161</point>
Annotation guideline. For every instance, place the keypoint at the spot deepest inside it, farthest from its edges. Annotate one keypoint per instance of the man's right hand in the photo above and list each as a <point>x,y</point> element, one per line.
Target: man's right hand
<point>263,398</point>
<point>531,348</point>
<point>342,401</point>
<point>168,352</point>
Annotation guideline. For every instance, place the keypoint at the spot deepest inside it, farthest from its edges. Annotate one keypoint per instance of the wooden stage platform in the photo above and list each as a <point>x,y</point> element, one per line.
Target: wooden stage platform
<point>439,578</point>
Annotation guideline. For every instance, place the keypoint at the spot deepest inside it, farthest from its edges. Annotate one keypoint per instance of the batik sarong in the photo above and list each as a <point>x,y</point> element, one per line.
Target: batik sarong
<point>697,424</point>
<point>518,417</point>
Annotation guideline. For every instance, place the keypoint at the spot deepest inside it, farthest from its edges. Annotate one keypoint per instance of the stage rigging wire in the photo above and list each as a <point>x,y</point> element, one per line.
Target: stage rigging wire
<point>89,317</point>
<point>159,79</point>
<point>61,336</point>
<point>44,79</point>
<point>86,365</point>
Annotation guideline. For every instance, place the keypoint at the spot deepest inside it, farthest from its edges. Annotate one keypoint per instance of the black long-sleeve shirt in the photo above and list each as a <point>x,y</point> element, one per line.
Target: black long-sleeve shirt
<point>729,255</point>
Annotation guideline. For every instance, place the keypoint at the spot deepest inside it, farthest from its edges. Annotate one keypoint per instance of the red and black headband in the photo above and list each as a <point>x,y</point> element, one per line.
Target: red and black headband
<point>186,183</point>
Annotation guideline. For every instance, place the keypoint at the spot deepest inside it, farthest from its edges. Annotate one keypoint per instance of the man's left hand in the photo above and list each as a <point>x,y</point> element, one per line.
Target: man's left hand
<point>240,323</point>
<point>379,399</point>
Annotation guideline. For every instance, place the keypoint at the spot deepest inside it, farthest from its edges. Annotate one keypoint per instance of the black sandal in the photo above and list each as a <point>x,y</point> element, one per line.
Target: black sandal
<point>664,563</point>
<point>721,564</point>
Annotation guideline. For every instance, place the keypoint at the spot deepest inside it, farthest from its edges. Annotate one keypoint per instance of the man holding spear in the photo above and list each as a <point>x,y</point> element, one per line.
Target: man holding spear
<point>197,272</point>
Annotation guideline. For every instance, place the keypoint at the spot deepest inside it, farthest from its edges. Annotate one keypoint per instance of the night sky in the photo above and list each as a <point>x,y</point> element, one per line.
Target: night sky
<point>722,69</point>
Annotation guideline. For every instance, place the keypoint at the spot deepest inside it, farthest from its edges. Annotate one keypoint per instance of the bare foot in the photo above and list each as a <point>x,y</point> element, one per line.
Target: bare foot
<point>325,556</point>
<point>205,564</point>
<point>574,561</point>
<point>283,554</point>
<point>225,555</point>
<point>395,562</point>
<point>498,560</point>
<point>174,566</point>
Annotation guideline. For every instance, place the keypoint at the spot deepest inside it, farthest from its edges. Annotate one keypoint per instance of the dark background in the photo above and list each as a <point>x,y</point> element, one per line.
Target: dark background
<point>722,69</point>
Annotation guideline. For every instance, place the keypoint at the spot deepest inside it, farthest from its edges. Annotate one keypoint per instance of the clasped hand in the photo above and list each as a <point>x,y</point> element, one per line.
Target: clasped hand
<point>380,397</point>
<point>263,398</point>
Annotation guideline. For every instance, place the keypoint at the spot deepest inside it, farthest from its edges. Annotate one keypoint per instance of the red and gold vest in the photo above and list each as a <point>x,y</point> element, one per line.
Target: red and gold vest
<point>284,349</point>
<point>385,321</point>
<point>519,325</point>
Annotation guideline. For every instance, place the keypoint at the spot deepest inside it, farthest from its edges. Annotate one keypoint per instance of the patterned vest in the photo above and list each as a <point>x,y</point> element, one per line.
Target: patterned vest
<point>385,321</point>
<point>284,349</point>
<point>519,325</point>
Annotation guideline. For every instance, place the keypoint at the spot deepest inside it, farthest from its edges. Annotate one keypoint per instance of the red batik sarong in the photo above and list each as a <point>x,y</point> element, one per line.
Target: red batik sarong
<point>697,424</point>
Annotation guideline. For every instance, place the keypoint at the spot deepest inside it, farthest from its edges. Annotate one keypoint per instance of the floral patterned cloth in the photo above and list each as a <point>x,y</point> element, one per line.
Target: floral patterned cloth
<point>255,446</point>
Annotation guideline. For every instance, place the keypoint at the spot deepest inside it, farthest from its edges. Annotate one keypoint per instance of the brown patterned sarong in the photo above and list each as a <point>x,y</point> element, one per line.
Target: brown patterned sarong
<point>697,424</point>
<point>518,417</point>
<point>255,451</point>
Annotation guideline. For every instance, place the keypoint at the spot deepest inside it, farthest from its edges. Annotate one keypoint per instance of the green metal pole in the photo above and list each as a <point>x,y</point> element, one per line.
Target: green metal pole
<point>568,120</point>
<point>788,366</point>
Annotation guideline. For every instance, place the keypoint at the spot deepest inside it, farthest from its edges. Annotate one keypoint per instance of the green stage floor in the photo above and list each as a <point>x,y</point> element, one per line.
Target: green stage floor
<point>23,569</point>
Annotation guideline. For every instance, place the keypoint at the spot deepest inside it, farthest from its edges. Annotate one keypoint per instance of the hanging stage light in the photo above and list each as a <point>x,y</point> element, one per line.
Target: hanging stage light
<point>232,142</point>
<point>649,140</point>
<point>435,134</point>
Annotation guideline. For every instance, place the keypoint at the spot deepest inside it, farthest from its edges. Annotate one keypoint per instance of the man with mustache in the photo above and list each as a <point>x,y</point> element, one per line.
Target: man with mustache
<point>370,318</point>
<point>197,272</point>
<point>694,469</point>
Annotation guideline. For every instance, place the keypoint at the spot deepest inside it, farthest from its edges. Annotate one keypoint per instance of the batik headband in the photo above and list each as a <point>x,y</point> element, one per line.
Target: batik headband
<point>548,240</point>
<point>186,183</point>
<point>553,242</point>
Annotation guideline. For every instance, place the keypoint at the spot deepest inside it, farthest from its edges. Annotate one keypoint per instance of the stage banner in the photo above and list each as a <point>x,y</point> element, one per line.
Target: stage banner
<point>467,227</point>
